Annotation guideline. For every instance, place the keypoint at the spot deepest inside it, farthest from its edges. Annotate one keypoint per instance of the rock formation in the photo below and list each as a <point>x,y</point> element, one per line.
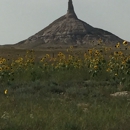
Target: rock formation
<point>69,30</point>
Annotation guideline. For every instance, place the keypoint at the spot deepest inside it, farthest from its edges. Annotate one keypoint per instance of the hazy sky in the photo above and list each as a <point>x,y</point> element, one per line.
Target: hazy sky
<point>19,19</point>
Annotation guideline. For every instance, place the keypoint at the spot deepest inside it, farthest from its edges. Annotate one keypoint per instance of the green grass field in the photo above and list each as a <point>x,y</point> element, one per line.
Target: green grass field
<point>70,90</point>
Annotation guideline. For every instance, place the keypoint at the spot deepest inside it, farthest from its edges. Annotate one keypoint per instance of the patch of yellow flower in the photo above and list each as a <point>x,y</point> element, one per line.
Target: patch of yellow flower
<point>94,59</point>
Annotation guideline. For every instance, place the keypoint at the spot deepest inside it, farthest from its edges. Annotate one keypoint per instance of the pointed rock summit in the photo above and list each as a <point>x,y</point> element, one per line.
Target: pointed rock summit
<point>70,12</point>
<point>68,30</point>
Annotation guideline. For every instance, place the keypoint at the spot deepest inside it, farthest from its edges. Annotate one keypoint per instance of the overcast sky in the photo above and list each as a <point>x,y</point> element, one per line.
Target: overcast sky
<point>19,19</point>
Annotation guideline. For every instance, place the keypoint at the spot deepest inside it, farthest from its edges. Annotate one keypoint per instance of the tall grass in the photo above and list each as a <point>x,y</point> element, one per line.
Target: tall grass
<point>65,92</point>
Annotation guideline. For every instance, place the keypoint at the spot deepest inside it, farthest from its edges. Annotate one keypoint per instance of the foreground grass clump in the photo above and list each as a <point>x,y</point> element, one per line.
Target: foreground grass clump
<point>66,91</point>
<point>55,107</point>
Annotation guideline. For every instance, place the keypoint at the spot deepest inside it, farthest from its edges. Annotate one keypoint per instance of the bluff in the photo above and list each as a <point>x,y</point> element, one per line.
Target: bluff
<point>69,30</point>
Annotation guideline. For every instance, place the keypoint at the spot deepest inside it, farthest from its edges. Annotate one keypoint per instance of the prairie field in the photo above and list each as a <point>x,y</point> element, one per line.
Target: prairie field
<point>65,89</point>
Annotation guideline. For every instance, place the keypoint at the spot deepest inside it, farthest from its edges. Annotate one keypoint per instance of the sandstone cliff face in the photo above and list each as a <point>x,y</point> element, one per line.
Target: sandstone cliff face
<point>69,30</point>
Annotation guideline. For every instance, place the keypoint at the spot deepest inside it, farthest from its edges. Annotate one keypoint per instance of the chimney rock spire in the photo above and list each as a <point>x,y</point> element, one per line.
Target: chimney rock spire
<point>71,12</point>
<point>70,6</point>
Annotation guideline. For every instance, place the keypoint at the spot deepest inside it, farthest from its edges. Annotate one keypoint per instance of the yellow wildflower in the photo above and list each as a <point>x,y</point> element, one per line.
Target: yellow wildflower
<point>125,43</point>
<point>95,67</point>
<point>108,70</point>
<point>47,55</point>
<point>120,53</point>
<point>90,51</point>
<point>116,74</point>
<point>118,45</point>
<point>6,91</point>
